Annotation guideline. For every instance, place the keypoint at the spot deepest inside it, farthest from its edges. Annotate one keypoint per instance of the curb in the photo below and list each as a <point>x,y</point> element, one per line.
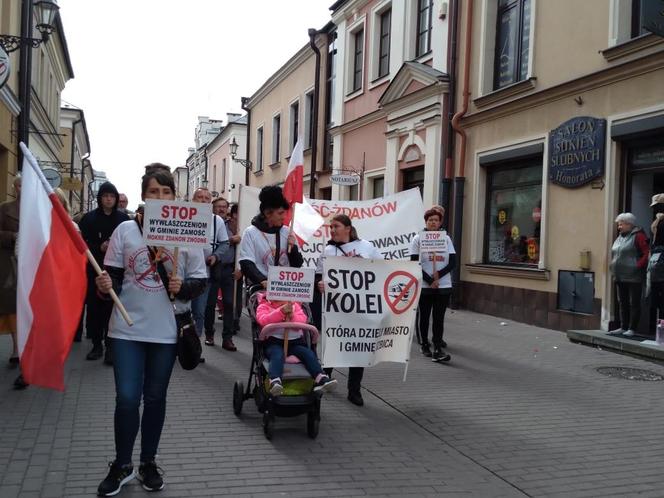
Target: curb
<point>601,338</point>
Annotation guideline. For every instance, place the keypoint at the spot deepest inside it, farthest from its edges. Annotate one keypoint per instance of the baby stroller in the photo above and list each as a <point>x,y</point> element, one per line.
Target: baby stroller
<point>298,396</point>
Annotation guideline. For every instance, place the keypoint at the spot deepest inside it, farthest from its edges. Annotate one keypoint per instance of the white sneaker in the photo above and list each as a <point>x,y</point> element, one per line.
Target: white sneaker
<point>619,330</point>
<point>276,389</point>
<point>629,333</point>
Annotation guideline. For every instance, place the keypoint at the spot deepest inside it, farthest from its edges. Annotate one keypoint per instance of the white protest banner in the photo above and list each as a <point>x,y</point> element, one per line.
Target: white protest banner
<point>389,223</point>
<point>433,241</point>
<point>177,223</point>
<point>369,309</point>
<point>290,284</point>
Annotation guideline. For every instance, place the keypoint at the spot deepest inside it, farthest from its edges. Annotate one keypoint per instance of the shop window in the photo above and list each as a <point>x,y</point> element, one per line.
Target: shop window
<point>636,28</point>
<point>413,177</point>
<point>513,214</point>
<point>512,42</point>
<point>326,193</point>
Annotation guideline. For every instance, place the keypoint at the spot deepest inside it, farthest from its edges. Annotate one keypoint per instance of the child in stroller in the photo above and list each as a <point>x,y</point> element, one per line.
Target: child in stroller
<point>281,343</point>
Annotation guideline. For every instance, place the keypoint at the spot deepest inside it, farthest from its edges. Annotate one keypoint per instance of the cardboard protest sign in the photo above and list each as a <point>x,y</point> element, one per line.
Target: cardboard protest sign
<point>433,241</point>
<point>389,223</point>
<point>176,223</point>
<point>290,284</point>
<point>369,309</point>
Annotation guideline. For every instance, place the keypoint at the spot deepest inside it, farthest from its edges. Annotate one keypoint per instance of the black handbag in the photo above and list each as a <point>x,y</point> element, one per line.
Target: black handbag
<point>189,348</point>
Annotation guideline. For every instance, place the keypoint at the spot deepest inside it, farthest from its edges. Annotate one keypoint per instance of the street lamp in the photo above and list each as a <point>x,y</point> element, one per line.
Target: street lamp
<point>244,162</point>
<point>46,12</point>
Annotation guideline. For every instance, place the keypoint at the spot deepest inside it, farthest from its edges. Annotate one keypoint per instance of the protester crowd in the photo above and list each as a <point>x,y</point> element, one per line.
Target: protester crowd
<point>197,286</point>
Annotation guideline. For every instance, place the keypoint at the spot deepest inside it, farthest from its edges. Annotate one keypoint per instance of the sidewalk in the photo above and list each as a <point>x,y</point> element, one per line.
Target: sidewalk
<point>520,411</point>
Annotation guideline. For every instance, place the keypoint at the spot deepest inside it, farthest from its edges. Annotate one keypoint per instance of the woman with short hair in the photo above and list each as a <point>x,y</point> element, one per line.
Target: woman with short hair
<point>144,353</point>
<point>629,260</point>
<point>436,287</point>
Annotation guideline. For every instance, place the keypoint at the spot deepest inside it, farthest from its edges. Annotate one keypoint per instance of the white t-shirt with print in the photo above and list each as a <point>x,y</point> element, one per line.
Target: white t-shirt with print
<point>442,259</point>
<point>355,249</point>
<point>260,247</point>
<point>143,293</point>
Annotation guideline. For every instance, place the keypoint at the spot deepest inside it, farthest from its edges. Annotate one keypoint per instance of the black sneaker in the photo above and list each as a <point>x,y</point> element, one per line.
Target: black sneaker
<point>95,353</point>
<point>150,476</point>
<point>439,354</point>
<point>20,383</point>
<point>325,384</point>
<point>118,476</point>
<point>356,398</point>
<point>426,350</point>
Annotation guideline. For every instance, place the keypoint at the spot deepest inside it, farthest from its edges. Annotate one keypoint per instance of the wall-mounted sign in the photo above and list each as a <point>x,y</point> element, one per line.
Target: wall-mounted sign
<point>576,151</point>
<point>341,179</point>
<point>652,16</point>
<point>70,183</point>
<point>4,67</point>
<point>53,177</point>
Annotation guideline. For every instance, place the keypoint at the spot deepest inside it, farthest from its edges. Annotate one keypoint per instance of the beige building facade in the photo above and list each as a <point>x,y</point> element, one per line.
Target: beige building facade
<point>225,175</point>
<point>280,112</point>
<point>565,129</point>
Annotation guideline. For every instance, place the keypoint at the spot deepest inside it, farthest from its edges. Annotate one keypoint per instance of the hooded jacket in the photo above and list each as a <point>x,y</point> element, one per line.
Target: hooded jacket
<point>97,226</point>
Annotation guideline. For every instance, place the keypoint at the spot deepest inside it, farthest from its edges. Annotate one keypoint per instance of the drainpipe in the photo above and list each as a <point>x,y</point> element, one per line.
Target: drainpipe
<point>245,101</point>
<point>448,131</point>
<point>314,117</point>
<point>71,158</point>
<point>459,181</point>
<point>86,163</point>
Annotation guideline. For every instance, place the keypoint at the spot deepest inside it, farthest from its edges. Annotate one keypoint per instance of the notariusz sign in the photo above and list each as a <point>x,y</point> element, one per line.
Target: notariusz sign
<point>576,151</point>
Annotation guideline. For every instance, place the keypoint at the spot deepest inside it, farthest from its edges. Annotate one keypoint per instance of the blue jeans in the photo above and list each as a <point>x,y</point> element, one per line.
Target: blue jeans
<point>140,368</point>
<point>274,350</point>
<point>198,309</point>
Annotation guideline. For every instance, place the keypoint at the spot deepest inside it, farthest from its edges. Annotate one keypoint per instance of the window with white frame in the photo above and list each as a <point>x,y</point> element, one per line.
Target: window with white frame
<point>276,138</point>
<point>512,46</point>
<point>293,124</point>
<point>384,33</point>
<point>378,187</point>
<point>308,119</point>
<point>424,24</point>
<point>259,149</point>
<point>356,58</point>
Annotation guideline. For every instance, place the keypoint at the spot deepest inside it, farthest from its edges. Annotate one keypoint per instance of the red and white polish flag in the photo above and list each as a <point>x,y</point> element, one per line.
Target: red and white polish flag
<point>51,279</point>
<point>295,175</point>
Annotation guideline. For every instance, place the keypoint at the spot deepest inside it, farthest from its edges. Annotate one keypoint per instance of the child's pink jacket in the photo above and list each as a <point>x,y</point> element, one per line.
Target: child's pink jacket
<point>268,312</point>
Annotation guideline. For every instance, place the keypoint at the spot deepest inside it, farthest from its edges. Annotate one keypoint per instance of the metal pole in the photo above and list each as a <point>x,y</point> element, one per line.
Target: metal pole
<point>25,78</point>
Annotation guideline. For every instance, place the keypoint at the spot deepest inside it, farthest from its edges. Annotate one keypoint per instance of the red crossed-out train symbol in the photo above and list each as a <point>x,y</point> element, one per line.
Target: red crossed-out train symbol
<point>400,291</point>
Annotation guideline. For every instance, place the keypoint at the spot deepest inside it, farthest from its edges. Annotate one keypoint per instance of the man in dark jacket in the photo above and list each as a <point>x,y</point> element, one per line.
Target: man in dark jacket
<point>96,229</point>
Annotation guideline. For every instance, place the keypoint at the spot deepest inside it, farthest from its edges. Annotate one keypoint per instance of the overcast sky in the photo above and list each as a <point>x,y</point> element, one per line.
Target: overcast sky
<point>145,69</point>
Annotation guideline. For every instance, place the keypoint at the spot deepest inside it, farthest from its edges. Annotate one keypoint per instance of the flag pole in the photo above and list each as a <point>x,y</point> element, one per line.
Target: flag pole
<point>76,236</point>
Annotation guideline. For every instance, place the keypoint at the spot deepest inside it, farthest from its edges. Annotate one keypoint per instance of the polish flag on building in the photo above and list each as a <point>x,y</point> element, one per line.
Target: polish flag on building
<point>51,279</point>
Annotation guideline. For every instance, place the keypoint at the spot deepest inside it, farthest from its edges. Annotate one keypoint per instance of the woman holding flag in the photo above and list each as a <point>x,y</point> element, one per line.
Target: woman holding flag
<point>145,352</point>
<point>344,242</point>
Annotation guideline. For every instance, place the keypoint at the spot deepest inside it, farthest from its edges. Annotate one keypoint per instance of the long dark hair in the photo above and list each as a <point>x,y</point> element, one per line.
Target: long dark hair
<point>345,221</point>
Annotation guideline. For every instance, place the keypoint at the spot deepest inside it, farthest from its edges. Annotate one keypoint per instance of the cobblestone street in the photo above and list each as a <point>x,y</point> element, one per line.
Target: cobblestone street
<point>519,411</point>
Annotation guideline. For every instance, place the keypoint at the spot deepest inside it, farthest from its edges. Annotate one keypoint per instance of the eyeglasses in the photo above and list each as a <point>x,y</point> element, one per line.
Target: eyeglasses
<point>157,167</point>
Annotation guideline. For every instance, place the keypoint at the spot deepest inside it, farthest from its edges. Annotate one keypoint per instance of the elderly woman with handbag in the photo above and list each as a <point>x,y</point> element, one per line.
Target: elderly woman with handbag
<point>145,352</point>
<point>629,258</point>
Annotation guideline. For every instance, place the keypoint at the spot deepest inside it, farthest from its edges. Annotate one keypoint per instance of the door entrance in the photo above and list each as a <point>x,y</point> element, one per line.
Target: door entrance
<point>645,178</point>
